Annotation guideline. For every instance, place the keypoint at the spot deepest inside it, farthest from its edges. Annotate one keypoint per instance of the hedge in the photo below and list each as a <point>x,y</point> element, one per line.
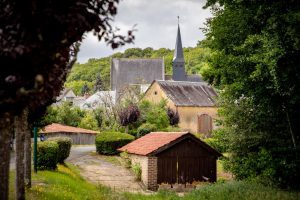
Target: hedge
<point>64,147</point>
<point>145,129</point>
<point>109,142</point>
<point>47,155</point>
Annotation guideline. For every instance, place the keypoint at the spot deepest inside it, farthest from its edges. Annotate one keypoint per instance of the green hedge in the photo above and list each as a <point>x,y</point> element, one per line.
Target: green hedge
<point>47,155</point>
<point>64,147</point>
<point>109,142</point>
<point>145,129</point>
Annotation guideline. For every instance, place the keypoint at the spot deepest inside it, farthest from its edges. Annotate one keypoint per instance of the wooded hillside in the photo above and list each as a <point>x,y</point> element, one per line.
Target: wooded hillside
<point>87,73</point>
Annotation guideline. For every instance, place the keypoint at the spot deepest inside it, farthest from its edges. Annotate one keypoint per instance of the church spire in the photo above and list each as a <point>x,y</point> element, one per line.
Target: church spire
<point>178,53</point>
<point>178,59</point>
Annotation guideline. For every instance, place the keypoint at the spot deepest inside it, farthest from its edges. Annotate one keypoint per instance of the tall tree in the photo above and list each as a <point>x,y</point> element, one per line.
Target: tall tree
<point>256,64</point>
<point>39,42</point>
<point>98,84</point>
<point>20,126</point>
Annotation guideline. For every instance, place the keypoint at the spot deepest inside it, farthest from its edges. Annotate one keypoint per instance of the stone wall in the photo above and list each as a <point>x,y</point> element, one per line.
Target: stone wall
<point>149,170</point>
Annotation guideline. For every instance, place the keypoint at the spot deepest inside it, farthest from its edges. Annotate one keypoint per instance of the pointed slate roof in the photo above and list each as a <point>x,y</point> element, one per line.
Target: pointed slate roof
<point>178,53</point>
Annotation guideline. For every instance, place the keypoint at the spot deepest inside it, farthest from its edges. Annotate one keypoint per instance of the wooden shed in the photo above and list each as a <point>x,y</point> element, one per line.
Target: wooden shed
<point>173,157</point>
<point>78,135</point>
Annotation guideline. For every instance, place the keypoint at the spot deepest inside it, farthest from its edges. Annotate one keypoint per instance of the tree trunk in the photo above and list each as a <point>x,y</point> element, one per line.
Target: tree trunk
<point>20,137</point>
<point>6,123</point>
<point>27,150</point>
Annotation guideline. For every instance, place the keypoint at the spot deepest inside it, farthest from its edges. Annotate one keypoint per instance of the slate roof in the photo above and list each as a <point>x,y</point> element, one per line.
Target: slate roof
<point>66,92</point>
<point>194,78</point>
<point>125,71</point>
<point>156,142</point>
<point>183,93</point>
<point>151,142</point>
<point>59,128</point>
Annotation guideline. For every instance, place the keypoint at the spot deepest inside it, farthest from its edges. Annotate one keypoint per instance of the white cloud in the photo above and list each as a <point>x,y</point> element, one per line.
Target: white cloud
<point>156,23</point>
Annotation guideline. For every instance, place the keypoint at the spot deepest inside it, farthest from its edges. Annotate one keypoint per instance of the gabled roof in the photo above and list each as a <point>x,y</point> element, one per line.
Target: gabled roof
<point>156,142</point>
<point>183,93</point>
<point>59,128</point>
<point>66,92</point>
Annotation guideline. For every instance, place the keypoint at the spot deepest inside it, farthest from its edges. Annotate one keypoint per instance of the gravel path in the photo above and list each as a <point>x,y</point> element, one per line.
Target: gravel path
<point>95,169</point>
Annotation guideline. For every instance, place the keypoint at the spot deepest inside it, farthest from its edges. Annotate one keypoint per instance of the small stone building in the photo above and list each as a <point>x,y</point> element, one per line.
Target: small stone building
<point>173,158</point>
<point>194,101</point>
<point>78,135</point>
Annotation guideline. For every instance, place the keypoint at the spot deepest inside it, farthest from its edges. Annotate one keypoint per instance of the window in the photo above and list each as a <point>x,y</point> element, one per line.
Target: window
<point>155,93</point>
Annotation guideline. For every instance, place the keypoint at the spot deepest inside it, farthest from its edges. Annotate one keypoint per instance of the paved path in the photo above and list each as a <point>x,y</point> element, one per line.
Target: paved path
<point>95,169</point>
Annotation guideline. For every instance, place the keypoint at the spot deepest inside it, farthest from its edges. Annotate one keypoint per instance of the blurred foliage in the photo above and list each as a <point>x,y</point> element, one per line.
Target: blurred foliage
<point>255,63</point>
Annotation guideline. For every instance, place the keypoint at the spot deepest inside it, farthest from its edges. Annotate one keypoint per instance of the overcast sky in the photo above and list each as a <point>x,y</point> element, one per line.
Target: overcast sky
<point>156,25</point>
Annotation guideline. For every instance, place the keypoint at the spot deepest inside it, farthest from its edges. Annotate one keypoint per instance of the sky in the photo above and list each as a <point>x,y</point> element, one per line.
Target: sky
<point>156,24</point>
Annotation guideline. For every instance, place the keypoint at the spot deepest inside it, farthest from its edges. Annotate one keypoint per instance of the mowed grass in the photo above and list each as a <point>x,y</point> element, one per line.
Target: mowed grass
<point>66,183</point>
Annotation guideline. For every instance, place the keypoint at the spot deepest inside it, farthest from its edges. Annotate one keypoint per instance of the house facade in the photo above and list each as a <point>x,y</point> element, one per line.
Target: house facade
<point>194,102</point>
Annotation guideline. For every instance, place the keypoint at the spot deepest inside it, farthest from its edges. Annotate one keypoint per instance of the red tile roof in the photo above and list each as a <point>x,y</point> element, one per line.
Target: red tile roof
<point>151,142</point>
<point>59,128</point>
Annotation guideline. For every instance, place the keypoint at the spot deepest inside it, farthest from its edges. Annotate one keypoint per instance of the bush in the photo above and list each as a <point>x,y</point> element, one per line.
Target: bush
<point>137,170</point>
<point>218,141</point>
<point>109,142</point>
<point>173,116</point>
<point>145,129</point>
<point>47,155</point>
<point>64,147</point>
<point>126,161</point>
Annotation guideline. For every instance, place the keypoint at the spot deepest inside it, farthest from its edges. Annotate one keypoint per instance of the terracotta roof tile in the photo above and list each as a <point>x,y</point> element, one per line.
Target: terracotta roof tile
<point>56,128</point>
<point>151,142</point>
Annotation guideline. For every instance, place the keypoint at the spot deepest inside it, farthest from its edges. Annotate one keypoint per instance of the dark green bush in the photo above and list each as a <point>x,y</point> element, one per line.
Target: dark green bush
<point>47,155</point>
<point>145,129</point>
<point>109,142</point>
<point>64,147</point>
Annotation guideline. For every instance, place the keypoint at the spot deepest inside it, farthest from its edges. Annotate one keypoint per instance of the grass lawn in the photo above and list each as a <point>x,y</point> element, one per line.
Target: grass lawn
<point>66,183</point>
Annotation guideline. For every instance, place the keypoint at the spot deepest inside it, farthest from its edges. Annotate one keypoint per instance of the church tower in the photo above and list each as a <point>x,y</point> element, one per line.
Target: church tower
<point>178,59</point>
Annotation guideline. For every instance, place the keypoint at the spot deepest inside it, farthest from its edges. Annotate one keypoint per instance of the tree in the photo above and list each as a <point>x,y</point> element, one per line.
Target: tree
<point>98,84</point>
<point>256,65</point>
<point>173,116</point>
<point>85,89</point>
<point>129,115</point>
<point>89,122</point>
<point>40,42</point>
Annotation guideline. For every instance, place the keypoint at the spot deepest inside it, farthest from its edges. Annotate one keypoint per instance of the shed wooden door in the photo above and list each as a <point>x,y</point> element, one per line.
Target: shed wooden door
<point>204,124</point>
<point>184,163</point>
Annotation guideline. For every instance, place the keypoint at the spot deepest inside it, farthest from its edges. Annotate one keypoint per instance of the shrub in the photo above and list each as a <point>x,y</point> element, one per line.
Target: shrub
<point>145,129</point>
<point>109,142</point>
<point>126,161</point>
<point>47,155</point>
<point>173,117</point>
<point>64,147</point>
<point>218,141</point>
<point>137,170</point>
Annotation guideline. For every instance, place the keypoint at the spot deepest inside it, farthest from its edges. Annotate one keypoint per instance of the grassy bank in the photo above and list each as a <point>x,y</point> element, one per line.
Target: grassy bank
<point>66,183</point>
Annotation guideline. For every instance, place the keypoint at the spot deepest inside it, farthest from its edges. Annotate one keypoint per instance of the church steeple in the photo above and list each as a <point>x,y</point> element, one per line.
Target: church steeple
<point>178,59</point>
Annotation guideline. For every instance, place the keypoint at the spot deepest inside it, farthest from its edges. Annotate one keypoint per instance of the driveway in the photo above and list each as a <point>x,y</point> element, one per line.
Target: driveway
<point>96,170</point>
